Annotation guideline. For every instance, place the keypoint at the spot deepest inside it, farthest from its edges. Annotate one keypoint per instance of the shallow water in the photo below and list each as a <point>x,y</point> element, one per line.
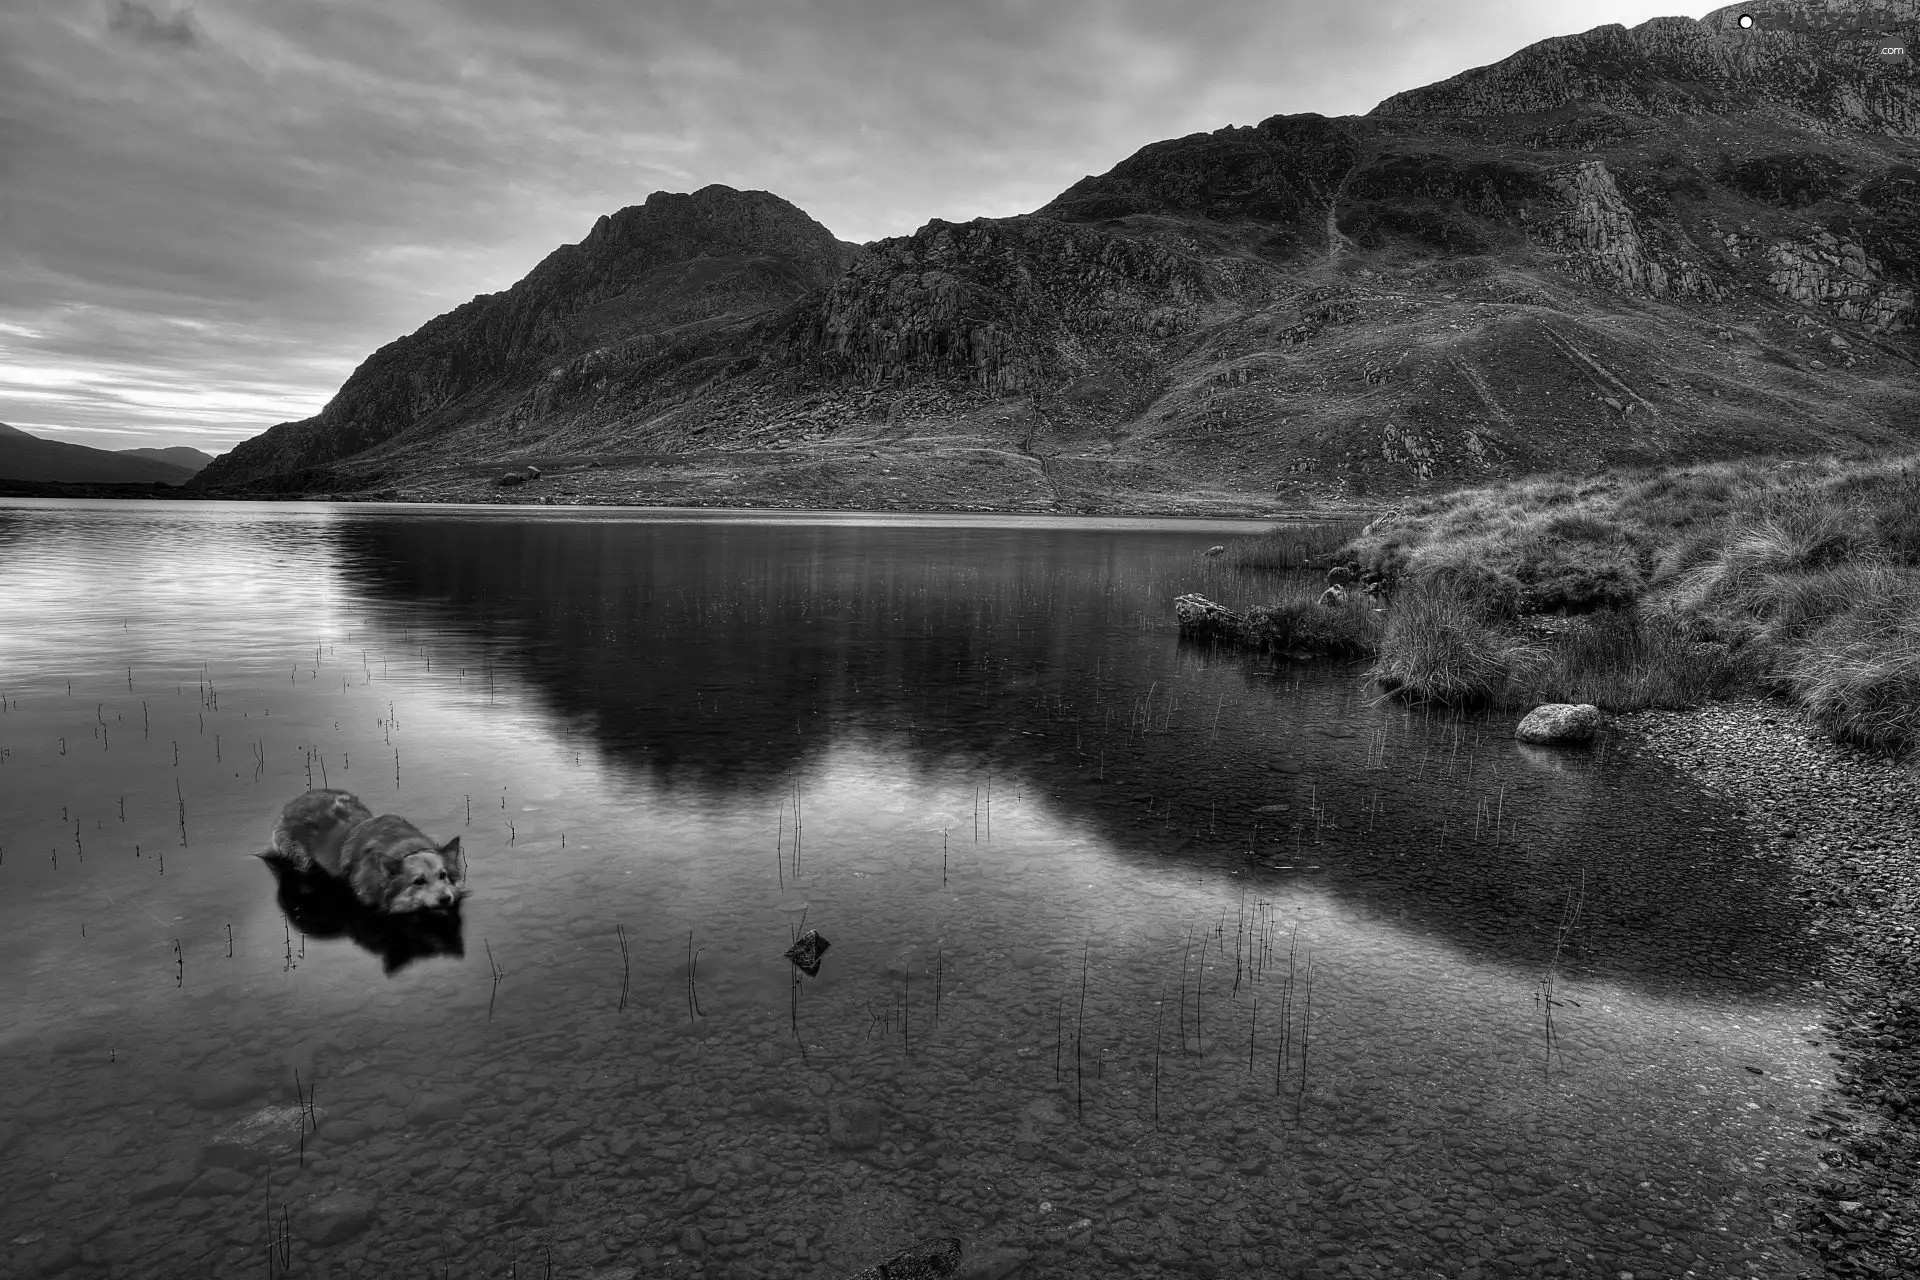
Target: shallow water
<point>1074,873</point>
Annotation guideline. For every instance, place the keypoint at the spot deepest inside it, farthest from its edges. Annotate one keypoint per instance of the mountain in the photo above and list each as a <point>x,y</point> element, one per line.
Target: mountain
<point>177,455</point>
<point>28,457</point>
<point>1679,241</point>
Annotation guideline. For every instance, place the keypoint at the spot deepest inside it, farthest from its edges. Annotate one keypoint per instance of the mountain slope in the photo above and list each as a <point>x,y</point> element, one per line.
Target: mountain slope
<point>661,278</point>
<point>177,455</point>
<point>28,457</point>
<point>1677,241</point>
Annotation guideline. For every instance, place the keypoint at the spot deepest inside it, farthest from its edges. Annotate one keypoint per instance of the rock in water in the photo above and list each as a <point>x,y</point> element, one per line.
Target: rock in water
<point>1202,618</point>
<point>854,1123</point>
<point>332,1219</point>
<point>1216,549</point>
<point>806,952</point>
<point>1555,722</point>
<point>924,1261</point>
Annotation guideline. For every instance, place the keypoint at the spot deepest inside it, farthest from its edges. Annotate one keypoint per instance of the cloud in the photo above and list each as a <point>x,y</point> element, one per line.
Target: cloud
<point>139,23</point>
<point>208,245</point>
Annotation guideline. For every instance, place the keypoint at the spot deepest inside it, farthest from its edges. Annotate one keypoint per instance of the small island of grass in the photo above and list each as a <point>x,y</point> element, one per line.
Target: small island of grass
<point>1628,590</point>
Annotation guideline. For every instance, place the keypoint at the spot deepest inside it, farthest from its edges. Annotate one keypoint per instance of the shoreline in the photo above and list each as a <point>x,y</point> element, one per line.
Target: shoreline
<point>1848,824</point>
<point>141,493</point>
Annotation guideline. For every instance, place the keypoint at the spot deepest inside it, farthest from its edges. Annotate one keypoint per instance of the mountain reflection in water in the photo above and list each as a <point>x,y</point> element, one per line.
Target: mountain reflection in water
<point>1075,872</point>
<point>722,660</point>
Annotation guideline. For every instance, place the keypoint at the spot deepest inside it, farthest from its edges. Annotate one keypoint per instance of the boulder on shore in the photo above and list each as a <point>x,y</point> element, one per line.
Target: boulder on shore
<point>1556,722</point>
<point>1203,618</point>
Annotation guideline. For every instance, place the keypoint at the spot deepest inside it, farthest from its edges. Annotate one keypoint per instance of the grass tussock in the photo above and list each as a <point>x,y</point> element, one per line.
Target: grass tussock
<point>1292,546</point>
<point>1685,584</point>
<point>1437,647</point>
<point>1299,623</point>
<point>1628,660</point>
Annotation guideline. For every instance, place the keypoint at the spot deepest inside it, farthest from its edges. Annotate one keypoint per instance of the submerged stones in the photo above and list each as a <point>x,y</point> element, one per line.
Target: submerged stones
<point>222,1090</point>
<point>1559,722</point>
<point>853,1122</point>
<point>337,1217</point>
<point>927,1260</point>
<point>256,1139</point>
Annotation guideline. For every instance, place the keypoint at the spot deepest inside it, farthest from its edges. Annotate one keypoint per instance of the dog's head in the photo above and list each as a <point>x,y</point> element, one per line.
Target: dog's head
<point>426,879</point>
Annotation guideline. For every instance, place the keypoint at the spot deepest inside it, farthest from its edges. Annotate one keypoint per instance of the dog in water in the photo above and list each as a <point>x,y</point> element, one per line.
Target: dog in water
<point>389,863</point>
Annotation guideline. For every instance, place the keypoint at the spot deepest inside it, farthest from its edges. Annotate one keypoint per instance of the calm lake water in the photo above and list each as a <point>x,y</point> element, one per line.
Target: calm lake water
<point>1144,959</point>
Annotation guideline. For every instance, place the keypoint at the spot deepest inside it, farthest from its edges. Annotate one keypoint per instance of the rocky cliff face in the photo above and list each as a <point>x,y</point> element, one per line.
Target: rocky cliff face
<point>1812,57</point>
<point>1683,239</point>
<point>644,278</point>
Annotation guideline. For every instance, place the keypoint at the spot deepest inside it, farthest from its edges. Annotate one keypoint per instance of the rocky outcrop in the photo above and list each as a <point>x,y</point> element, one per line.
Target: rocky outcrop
<point>1597,228</point>
<point>1203,619</point>
<point>1007,304</point>
<point>1299,310</point>
<point>1559,723</point>
<point>1281,172</point>
<point>1826,270</point>
<point>1679,67</point>
<point>649,275</point>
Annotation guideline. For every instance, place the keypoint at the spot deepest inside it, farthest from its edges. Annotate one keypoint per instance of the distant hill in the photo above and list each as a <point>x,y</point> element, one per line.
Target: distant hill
<point>179,455</point>
<point>1685,240</point>
<point>28,457</point>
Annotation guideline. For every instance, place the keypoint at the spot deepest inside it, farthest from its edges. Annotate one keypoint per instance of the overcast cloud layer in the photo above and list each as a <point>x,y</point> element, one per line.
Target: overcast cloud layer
<point>210,214</point>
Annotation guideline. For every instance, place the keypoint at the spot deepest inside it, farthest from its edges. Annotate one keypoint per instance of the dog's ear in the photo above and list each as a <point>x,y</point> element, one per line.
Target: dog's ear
<point>455,860</point>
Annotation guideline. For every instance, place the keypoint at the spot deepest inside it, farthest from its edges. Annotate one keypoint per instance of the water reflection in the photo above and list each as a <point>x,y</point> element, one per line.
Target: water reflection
<point>1072,870</point>
<point>322,906</point>
<point>723,662</point>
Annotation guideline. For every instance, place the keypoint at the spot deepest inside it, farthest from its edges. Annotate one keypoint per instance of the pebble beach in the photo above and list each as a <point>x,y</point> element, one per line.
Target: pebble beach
<point>1848,823</point>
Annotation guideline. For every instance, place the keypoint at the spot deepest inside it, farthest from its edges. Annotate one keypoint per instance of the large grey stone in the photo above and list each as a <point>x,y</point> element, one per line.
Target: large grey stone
<point>255,1139</point>
<point>337,1217</point>
<point>1559,722</point>
<point>440,1104</point>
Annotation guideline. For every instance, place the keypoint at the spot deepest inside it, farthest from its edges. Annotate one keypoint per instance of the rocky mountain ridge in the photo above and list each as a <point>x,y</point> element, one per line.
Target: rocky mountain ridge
<point>1680,240</point>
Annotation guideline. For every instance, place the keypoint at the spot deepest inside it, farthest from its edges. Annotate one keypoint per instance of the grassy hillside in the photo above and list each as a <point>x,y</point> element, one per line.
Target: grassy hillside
<point>26,457</point>
<point>1645,587</point>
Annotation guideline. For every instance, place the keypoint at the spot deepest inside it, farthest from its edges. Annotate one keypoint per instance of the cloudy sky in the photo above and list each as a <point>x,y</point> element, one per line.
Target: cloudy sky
<point>210,213</point>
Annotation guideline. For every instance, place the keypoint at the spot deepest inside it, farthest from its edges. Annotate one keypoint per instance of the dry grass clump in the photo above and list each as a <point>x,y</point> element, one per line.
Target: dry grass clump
<point>1555,542</point>
<point>1859,679</point>
<point>1441,648</point>
<point>1295,545</point>
<point>1629,659</point>
<point>1845,644</point>
<point>1300,623</point>
<point>1803,576</point>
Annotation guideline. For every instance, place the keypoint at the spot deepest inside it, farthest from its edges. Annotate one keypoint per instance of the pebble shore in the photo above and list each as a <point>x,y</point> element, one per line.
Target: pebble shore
<point>1848,823</point>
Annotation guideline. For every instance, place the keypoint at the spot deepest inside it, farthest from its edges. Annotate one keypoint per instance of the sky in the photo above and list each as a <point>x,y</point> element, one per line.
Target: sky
<point>211,213</point>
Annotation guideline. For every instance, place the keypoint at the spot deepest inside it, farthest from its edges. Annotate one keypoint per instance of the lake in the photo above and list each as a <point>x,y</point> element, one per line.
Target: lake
<point>1143,958</point>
